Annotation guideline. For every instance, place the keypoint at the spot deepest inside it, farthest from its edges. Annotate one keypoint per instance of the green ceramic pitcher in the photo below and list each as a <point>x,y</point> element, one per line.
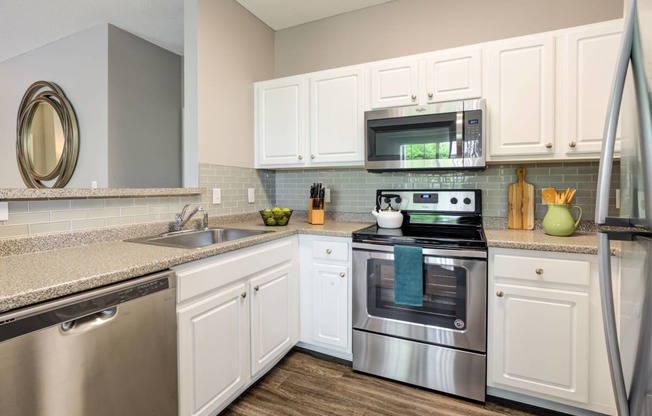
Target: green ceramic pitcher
<point>559,221</point>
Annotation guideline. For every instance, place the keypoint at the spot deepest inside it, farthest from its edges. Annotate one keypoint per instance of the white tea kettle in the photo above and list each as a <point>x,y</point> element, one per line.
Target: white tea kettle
<point>388,217</point>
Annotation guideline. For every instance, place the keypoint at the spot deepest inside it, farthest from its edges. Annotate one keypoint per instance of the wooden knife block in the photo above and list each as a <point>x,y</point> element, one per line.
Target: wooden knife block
<point>315,216</point>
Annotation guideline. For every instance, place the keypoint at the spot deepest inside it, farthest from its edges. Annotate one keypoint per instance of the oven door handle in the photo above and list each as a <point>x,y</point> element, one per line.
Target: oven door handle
<point>476,254</point>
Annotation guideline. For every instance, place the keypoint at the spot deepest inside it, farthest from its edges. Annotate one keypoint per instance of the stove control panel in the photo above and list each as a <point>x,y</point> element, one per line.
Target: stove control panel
<point>464,201</point>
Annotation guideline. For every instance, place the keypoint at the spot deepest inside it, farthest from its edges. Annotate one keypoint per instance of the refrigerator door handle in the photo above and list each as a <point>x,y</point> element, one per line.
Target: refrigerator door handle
<point>645,120</point>
<point>609,322</point>
<point>611,123</point>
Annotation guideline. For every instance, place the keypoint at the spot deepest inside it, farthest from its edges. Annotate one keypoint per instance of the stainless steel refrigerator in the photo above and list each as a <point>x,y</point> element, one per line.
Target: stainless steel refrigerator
<point>628,329</point>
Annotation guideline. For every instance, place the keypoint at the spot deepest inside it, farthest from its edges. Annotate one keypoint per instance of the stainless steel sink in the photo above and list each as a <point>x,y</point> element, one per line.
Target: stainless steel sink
<point>200,238</point>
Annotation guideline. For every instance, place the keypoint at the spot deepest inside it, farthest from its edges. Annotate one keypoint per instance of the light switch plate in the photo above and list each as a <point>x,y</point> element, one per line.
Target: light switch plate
<point>4,211</point>
<point>251,195</point>
<point>217,196</point>
<point>327,195</point>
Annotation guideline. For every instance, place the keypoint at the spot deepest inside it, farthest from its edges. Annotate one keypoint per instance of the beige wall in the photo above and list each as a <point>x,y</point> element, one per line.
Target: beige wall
<point>234,49</point>
<point>405,27</point>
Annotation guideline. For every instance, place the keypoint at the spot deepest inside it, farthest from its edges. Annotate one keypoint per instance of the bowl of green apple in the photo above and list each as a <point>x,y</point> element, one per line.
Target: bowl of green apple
<point>276,216</point>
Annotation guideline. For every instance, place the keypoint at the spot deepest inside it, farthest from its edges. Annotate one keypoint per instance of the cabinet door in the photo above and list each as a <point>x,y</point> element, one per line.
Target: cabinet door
<point>330,317</point>
<point>213,351</point>
<point>280,122</point>
<point>271,317</point>
<point>592,54</point>
<point>336,117</point>
<point>395,83</point>
<point>520,96</point>
<point>454,75</point>
<point>540,341</point>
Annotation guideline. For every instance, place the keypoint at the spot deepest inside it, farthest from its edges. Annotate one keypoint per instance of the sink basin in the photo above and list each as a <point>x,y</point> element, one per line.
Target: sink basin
<point>200,238</point>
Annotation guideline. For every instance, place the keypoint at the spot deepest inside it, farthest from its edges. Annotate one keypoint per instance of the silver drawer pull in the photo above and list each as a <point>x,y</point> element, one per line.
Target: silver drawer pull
<point>430,95</point>
<point>256,288</point>
<point>548,145</point>
<point>572,144</point>
<point>539,271</point>
<point>342,274</point>
<point>414,97</point>
<point>328,251</point>
<point>243,294</point>
<point>500,294</point>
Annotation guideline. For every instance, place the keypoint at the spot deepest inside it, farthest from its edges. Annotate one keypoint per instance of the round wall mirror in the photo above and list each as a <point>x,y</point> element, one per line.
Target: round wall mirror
<point>47,144</point>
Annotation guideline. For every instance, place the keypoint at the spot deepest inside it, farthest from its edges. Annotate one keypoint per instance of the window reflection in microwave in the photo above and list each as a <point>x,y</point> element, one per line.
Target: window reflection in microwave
<point>416,144</point>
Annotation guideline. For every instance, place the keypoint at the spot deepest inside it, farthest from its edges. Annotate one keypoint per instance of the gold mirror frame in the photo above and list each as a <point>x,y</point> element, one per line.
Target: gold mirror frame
<point>43,92</point>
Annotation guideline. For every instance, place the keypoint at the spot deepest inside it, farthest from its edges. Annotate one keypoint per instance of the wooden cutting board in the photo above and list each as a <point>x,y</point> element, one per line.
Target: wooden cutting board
<point>520,214</point>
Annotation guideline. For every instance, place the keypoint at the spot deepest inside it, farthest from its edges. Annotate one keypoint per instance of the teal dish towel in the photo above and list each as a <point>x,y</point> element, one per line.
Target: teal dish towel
<point>408,275</point>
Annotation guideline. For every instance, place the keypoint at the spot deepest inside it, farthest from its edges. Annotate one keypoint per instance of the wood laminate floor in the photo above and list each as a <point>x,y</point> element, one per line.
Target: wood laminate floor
<point>304,385</point>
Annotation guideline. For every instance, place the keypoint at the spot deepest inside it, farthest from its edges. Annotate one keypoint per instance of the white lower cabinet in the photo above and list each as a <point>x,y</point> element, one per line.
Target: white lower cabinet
<point>237,316</point>
<point>546,340</point>
<point>213,350</point>
<point>325,281</point>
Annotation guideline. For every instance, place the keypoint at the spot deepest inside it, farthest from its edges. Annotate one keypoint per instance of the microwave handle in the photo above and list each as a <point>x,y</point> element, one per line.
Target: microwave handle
<point>459,132</point>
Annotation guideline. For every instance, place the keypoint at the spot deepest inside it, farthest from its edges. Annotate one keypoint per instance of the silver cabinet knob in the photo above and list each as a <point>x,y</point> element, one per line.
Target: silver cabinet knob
<point>312,156</point>
<point>256,288</point>
<point>548,145</point>
<point>572,144</point>
<point>329,251</point>
<point>300,157</point>
<point>342,274</point>
<point>243,294</point>
<point>414,97</point>
<point>500,294</point>
<point>539,271</point>
<point>430,95</point>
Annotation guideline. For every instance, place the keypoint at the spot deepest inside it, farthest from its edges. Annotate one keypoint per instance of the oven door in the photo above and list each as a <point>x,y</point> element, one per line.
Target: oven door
<point>454,302</point>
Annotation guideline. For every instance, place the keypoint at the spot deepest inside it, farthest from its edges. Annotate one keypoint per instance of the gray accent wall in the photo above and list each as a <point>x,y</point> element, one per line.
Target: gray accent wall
<point>145,97</point>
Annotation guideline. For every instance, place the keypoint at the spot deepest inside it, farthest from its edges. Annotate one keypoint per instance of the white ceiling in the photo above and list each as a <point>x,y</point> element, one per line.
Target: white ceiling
<point>281,14</point>
<point>29,24</point>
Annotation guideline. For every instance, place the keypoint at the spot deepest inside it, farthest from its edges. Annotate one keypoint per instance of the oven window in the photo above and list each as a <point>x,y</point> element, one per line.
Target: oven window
<point>444,295</point>
<point>431,137</point>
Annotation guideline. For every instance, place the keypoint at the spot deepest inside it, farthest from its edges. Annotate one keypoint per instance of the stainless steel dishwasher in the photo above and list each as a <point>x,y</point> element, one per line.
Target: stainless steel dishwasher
<point>106,352</point>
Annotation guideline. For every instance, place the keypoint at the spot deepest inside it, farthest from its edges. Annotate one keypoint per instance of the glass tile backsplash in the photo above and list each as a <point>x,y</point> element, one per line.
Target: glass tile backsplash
<point>352,190</point>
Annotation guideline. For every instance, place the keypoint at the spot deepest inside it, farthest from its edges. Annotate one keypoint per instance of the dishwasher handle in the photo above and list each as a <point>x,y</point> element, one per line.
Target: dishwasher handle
<point>83,307</point>
<point>89,322</point>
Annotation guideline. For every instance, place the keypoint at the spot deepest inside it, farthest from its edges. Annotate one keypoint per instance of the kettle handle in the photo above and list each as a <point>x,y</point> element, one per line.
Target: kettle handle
<point>579,217</point>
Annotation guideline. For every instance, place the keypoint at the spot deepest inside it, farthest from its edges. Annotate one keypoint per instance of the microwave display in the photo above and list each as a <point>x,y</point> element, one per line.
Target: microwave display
<point>435,140</point>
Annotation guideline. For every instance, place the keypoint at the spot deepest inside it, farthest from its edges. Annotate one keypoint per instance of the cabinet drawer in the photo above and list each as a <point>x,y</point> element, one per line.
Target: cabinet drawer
<point>536,269</point>
<point>330,250</point>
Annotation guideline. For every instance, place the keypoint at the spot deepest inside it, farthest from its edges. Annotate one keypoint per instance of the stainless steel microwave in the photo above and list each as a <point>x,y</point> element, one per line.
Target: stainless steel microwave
<point>439,136</point>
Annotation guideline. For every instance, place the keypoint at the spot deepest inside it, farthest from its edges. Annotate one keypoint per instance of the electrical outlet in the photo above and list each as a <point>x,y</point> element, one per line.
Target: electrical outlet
<point>217,196</point>
<point>251,198</point>
<point>93,184</point>
<point>4,211</point>
<point>327,195</point>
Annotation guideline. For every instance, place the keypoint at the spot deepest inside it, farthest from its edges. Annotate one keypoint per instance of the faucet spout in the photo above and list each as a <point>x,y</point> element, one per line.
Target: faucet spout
<point>180,221</point>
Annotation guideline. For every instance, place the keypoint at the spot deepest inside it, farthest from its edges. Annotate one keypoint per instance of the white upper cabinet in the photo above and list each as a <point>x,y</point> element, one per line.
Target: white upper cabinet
<point>336,117</point>
<point>589,69</point>
<point>548,94</point>
<point>450,75</point>
<point>395,83</point>
<point>331,101</point>
<point>280,122</point>
<point>454,75</point>
<point>519,85</point>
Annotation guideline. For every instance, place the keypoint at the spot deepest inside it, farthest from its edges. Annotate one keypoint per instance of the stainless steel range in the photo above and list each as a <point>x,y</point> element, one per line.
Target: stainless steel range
<point>438,338</point>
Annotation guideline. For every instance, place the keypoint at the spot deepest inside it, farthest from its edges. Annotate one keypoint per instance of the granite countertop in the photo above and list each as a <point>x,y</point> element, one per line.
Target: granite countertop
<point>27,279</point>
<point>30,278</point>
<point>580,242</point>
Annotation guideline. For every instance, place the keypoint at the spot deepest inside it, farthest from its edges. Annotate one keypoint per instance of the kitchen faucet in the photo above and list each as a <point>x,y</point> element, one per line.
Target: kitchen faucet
<point>180,222</point>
